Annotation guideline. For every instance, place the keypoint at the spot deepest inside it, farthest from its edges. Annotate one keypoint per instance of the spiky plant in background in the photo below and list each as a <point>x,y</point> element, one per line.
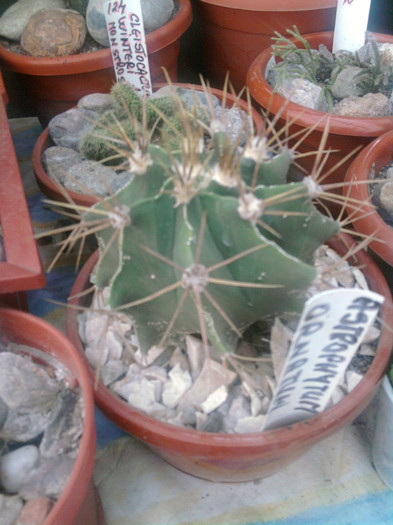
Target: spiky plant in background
<point>208,237</point>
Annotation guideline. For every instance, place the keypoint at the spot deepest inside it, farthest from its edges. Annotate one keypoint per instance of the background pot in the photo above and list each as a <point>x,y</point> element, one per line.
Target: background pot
<point>346,133</point>
<point>56,84</point>
<point>382,444</point>
<point>366,220</point>
<point>234,32</point>
<point>51,190</point>
<point>240,457</point>
<point>79,504</point>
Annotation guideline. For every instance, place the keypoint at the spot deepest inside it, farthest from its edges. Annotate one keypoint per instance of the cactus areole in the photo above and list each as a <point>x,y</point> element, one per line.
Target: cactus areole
<point>207,238</point>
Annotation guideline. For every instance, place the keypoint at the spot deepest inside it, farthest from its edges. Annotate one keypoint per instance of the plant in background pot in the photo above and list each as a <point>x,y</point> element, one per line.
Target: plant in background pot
<point>198,255</point>
<point>47,429</point>
<point>363,183</point>
<point>56,83</point>
<point>60,172</point>
<point>346,133</point>
<point>234,32</point>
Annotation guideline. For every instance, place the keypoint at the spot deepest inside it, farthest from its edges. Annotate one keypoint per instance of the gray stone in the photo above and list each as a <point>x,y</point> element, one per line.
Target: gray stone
<point>155,14</point>
<point>91,177</point>
<point>98,102</point>
<point>48,478</point>
<point>112,371</point>
<point>250,424</point>
<point>15,18</point>
<point>3,412</point>
<point>16,467</point>
<point>35,511</point>
<point>348,82</point>
<point>67,128</point>
<point>236,123</point>
<point>370,105</point>
<point>30,394</point>
<point>64,430</point>
<point>386,54</point>
<point>190,96</point>
<point>386,196</point>
<point>54,32</point>
<point>212,376</point>
<point>214,422</point>
<point>179,381</point>
<point>10,508</point>
<point>303,92</point>
<point>56,160</point>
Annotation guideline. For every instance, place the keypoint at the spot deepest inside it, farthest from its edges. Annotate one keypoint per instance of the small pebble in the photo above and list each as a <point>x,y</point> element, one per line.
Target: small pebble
<point>35,511</point>
<point>16,467</point>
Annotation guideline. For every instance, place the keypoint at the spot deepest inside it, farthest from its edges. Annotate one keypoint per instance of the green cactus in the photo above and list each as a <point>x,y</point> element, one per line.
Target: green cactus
<point>207,239</point>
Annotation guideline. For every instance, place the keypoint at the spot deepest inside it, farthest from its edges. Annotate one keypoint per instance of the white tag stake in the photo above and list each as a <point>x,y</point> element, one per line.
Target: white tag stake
<point>331,328</point>
<point>128,43</point>
<point>351,24</point>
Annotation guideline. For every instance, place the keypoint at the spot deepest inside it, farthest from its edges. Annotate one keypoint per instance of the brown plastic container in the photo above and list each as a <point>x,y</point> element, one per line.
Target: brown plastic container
<point>242,457</point>
<point>56,84</point>
<point>51,190</point>
<point>345,133</point>
<point>234,32</point>
<point>79,504</point>
<point>366,220</point>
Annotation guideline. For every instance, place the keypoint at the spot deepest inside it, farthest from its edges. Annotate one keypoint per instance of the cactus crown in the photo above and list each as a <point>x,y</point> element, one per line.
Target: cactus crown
<point>209,236</point>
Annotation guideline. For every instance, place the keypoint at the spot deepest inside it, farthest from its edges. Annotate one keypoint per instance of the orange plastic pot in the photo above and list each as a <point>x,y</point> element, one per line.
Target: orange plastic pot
<point>22,269</point>
<point>56,84</point>
<point>234,32</point>
<point>346,133</point>
<point>50,189</point>
<point>241,457</point>
<point>365,219</point>
<point>79,504</point>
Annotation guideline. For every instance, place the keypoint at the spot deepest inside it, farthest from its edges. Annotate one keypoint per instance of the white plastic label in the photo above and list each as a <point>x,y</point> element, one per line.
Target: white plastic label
<point>351,24</point>
<point>331,328</point>
<point>128,43</point>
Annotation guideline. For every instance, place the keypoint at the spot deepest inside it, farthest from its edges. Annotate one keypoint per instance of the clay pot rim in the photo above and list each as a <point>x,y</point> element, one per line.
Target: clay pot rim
<point>269,5</point>
<point>100,59</point>
<point>70,499</point>
<point>145,427</point>
<point>52,190</point>
<point>367,220</point>
<point>306,117</point>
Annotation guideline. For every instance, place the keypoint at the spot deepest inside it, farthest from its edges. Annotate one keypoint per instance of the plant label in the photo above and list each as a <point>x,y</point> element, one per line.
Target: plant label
<point>128,43</point>
<point>332,326</point>
<point>351,24</point>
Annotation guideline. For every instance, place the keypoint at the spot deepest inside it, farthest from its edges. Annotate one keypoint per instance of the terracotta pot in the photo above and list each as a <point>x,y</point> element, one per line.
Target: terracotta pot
<point>50,189</point>
<point>346,133</point>
<point>366,220</point>
<point>240,457</point>
<point>79,504</point>
<point>234,32</point>
<point>22,269</point>
<point>56,84</point>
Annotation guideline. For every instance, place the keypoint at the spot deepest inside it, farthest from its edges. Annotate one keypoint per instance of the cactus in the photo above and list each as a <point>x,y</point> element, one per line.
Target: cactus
<point>130,116</point>
<point>208,238</point>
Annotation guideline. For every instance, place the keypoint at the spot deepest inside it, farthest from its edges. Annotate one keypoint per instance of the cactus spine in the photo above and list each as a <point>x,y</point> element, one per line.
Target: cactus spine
<point>208,237</point>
